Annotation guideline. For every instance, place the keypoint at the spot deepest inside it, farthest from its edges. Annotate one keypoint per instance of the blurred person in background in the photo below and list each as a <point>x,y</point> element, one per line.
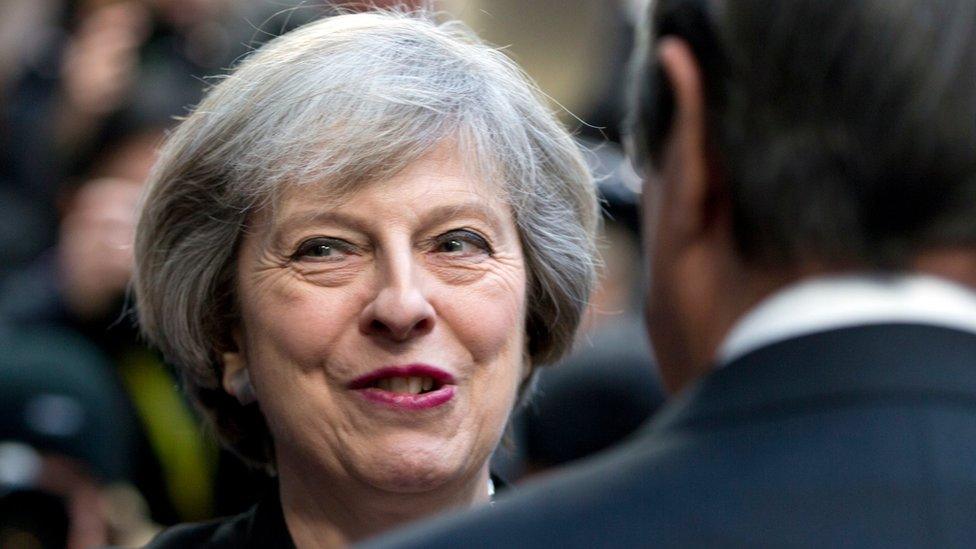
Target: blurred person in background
<point>358,249</point>
<point>26,225</point>
<point>114,74</point>
<point>65,445</point>
<point>80,285</point>
<point>75,66</point>
<point>811,226</point>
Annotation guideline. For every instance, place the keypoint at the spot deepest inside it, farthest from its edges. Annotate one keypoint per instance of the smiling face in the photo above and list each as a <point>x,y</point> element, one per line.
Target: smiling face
<point>384,332</point>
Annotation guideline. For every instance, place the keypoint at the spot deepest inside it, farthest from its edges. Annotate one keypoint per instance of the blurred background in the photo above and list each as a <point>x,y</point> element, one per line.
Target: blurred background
<point>97,444</point>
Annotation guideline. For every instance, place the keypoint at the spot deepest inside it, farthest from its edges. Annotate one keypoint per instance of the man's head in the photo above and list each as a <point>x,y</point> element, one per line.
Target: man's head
<point>787,138</point>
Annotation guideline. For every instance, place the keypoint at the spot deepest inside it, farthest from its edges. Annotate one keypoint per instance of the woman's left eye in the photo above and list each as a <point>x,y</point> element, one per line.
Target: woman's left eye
<point>462,243</point>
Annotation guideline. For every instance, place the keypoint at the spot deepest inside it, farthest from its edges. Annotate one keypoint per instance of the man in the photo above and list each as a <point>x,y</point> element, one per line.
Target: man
<point>810,214</point>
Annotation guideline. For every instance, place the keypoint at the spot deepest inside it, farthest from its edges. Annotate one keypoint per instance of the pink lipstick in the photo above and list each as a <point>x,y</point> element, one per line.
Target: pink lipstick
<point>408,387</point>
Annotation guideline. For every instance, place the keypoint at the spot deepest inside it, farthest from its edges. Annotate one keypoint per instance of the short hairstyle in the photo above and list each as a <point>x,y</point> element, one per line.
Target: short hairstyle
<point>345,101</point>
<point>845,129</point>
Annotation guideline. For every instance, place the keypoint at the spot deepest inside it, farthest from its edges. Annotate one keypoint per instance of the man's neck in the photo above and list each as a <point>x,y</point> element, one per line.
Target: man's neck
<point>713,301</point>
<point>323,513</point>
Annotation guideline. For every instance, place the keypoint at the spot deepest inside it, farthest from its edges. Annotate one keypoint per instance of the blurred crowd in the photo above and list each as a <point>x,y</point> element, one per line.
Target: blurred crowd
<point>97,445</point>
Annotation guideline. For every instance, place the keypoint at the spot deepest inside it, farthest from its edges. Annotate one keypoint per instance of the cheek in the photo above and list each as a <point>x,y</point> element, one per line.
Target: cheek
<point>499,346</point>
<point>489,329</point>
<point>291,331</point>
<point>490,319</point>
<point>293,346</point>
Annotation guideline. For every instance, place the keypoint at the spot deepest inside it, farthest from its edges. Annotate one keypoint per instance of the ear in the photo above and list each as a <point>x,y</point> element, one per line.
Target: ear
<point>236,379</point>
<point>685,164</point>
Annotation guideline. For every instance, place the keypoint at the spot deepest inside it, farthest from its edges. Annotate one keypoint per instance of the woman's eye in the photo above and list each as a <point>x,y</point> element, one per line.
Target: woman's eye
<point>320,250</point>
<point>323,249</point>
<point>462,243</point>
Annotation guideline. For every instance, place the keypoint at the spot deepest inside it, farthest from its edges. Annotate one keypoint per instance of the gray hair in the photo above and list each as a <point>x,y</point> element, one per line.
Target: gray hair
<point>348,100</point>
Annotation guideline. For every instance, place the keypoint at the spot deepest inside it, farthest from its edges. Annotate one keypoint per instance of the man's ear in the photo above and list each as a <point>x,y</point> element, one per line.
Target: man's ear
<point>685,163</point>
<point>236,378</point>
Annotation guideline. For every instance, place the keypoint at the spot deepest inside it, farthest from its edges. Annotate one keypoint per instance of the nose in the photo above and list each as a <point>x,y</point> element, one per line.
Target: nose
<point>400,309</point>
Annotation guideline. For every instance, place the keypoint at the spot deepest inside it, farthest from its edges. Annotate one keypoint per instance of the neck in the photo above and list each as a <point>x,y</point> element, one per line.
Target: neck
<point>955,264</point>
<point>734,296</point>
<point>322,512</point>
<point>696,303</point>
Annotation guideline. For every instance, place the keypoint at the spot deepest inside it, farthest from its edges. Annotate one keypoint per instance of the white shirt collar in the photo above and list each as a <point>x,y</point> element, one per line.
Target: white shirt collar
<point>822,304</point>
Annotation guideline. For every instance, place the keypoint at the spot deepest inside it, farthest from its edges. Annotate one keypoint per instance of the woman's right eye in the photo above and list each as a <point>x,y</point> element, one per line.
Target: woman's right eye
<point>323,249</point>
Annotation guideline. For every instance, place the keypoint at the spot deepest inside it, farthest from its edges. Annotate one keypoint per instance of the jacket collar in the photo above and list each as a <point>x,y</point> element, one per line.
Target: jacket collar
<point>827,303</point>
<point>892,361</point>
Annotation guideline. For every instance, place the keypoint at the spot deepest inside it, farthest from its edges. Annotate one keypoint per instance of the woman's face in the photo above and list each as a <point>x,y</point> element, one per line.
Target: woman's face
<point>384,333</point>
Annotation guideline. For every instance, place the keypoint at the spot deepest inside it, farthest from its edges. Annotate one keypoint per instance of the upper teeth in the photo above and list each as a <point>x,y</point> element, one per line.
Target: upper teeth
<point>411,385</point>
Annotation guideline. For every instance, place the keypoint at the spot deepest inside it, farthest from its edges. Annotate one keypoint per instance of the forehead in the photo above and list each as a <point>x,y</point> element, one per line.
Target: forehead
<point>440,181</point>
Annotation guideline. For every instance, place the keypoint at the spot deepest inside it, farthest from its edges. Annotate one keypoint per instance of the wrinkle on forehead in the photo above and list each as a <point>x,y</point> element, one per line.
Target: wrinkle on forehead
<point>335,192</point>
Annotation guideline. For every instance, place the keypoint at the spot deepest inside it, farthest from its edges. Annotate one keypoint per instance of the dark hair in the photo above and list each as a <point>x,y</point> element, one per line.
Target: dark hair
<point>845,129</point>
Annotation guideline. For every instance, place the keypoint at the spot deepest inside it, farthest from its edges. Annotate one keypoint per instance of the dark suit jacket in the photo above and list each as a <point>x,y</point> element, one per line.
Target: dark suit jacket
<point>856,437</point>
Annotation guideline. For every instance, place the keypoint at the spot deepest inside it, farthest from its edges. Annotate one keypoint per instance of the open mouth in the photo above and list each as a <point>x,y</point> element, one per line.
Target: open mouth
<point>414,386</point>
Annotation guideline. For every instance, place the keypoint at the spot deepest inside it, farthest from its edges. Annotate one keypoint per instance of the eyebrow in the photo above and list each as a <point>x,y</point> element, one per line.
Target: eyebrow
<point>473,209</point>
<point>318,217</point>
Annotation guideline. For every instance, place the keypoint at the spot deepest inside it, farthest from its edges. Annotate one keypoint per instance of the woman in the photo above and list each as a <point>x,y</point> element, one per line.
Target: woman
<point>358,248</point>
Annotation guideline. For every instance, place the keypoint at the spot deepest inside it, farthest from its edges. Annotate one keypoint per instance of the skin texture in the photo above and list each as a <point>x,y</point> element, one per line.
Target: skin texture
<point>404,280</point>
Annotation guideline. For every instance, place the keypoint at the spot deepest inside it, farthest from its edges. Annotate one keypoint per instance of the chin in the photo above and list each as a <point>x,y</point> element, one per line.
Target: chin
<point>410,476</point>
<point>411,467</point>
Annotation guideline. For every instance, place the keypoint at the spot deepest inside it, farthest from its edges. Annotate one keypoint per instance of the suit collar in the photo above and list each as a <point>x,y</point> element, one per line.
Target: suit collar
<point>833,302</point>
<point>890,361</point>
